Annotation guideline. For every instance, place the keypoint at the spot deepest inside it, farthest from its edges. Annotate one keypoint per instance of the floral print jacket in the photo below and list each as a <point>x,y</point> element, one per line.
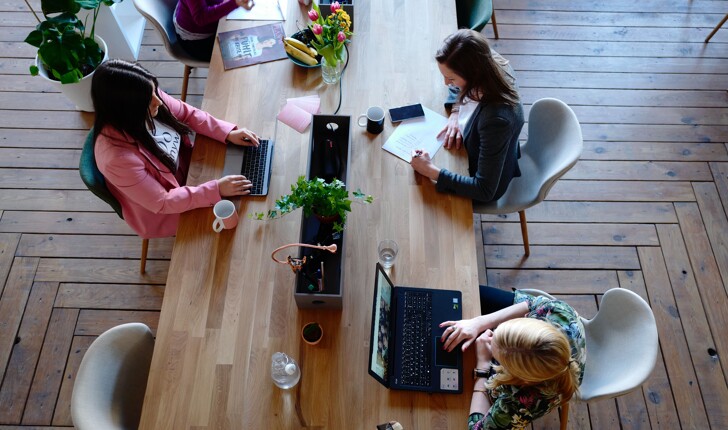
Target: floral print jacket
<point>515,407</point>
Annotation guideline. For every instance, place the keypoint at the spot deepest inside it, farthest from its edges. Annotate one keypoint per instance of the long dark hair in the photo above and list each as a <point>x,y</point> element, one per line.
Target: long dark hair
<point>121,92</point>
<point>466,52</point>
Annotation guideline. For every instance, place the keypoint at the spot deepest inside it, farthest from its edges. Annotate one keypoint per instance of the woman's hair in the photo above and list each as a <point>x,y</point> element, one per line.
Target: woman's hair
<point>121,92</point>
<point>466,52</point>
<point>533,352</point>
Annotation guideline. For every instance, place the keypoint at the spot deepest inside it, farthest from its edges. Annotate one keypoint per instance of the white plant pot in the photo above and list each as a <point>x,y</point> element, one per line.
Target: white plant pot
<point>80,92</point>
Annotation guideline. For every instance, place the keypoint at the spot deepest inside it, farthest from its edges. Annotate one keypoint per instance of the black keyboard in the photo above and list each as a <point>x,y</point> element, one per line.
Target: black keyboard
<point>417,342</point>
<point>255,161</point>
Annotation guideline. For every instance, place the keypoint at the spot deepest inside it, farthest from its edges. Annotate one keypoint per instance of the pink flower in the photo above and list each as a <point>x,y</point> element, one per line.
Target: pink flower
<point>335,6</point>
<point>341,36</point>
<point>317,29</point>
<point>313,15</point>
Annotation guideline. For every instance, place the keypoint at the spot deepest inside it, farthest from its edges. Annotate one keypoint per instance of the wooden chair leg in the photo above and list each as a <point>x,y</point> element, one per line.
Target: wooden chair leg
<point>185,81</point>
<point>495,25</point>
<point>564,415</point>
<point>524,232</point>
<point>145,247</point>
<point>720,24</point>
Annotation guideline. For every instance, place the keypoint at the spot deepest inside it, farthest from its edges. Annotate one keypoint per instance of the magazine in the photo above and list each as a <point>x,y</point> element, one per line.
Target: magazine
<point>253,45</point>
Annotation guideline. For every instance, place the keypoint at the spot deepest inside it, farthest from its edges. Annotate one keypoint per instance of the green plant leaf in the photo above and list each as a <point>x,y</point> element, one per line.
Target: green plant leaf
<point>34,70</point>
<point>35,38</point>
<point>56,6</point>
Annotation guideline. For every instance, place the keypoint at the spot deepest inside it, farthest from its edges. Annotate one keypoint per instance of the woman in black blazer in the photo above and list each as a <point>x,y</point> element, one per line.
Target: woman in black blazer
<point>487,88</point>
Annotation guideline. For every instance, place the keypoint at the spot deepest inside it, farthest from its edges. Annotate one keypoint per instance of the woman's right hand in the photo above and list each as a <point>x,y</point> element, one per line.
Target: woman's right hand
<point>451,133</point>
<point>459,331</point>
<point>245,4</point>
<point>234,185</point>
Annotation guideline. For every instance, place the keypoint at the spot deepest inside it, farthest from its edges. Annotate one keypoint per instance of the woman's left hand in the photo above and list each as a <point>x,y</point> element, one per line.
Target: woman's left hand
<point>422,164</point>
<point>243,137</point>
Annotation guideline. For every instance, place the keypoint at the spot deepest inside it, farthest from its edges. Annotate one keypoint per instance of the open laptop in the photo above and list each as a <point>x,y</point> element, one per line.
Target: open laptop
<point>251,162</point>
<point>405,349</point>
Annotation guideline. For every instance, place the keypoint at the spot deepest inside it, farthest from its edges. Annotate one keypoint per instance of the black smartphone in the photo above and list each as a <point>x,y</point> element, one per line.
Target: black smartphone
<point>406,112</point>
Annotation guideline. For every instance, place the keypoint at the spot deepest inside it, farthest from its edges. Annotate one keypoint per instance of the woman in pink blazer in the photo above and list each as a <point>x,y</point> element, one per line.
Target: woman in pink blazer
<point>142,148</point>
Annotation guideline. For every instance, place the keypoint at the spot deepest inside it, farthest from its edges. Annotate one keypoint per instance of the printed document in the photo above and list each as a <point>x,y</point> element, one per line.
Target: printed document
<point>264,10</point>
<point>417,133</point>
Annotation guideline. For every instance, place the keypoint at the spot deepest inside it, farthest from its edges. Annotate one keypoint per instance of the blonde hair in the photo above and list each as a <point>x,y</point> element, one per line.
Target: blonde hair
<point>534,352</point>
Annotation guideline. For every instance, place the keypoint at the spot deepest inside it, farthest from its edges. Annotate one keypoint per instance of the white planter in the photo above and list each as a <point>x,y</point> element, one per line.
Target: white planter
<point>80,92</point>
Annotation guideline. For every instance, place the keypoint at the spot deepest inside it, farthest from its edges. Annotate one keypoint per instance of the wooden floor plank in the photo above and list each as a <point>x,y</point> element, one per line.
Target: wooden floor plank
<point>12,305</point>
<point>110,296</point>
<point>92,322</point>
<point>555,281</point>
<point>720,176</point>
<point>41,179</point>
<point>49,373</point>
<point>8,246</point>
<point>648,115</point>
<point>62,413</point>
<point>623,191</point>
<point>683,381</point>
<point>26,351</point>
<point>640,170</point>
<point>597,212</point>
<point>561,257</point>
<point>568,234</point>
<point>620,97</point>
<point>92,246</point>
<point>61,139</point>
<point>654,133</point>
<point>656,151</point>
<point>52,200</point>
<point>606,33</point>
<point>40,158</point>
<point>668,18</point>
<point>64,222</point>
<point>657,393</point>
<point>716,225</point>
<point>98,270</point>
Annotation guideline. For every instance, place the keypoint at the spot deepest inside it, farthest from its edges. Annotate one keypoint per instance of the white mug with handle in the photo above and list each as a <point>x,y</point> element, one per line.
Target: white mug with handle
<point>226,217</point>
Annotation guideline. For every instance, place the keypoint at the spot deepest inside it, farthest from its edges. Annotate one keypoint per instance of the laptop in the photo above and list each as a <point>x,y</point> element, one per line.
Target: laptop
<point>405,349</point>
<point>251,162</point>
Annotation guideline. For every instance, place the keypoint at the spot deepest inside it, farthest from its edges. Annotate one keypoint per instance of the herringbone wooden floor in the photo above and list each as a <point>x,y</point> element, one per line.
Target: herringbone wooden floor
<point>644,209</point>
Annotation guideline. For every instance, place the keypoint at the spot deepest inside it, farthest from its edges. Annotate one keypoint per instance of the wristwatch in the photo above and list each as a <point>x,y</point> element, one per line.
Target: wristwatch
<point>480,373</point>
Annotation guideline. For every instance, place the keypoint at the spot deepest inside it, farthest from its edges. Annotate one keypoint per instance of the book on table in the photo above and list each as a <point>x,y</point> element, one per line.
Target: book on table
<point>254,45</point>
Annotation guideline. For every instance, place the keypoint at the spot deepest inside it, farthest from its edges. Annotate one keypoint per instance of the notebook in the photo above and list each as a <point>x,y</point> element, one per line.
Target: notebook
<point>251,162</point>
<point>405,349</point>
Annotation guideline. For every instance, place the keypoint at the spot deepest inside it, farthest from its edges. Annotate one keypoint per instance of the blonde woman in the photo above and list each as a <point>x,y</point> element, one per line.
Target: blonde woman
<point>530,357</point>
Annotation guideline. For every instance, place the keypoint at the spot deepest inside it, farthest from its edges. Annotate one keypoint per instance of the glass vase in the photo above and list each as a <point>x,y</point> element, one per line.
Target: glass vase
<point>331,73</point>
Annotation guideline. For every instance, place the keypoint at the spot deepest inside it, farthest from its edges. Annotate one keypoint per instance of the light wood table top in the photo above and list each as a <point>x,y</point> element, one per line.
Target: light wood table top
<point>228,307</point>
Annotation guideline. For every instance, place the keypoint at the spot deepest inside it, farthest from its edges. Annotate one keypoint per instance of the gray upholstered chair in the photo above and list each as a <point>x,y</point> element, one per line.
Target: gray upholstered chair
<point>475,14</point>
<point>161,14</point>
<point>109,389</point>
<point>553,147</point>
<point>621,347</point>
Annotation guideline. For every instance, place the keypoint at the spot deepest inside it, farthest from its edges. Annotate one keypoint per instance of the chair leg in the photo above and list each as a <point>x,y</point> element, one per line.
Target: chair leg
<point>524,232</point>
<point>564,415</point>
<point>495,25</point>
<point>185,81</point>
<point>145,247</point>
<point>720,24</point>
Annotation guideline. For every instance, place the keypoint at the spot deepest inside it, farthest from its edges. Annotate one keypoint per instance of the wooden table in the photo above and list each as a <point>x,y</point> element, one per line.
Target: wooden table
<point>228,307</point>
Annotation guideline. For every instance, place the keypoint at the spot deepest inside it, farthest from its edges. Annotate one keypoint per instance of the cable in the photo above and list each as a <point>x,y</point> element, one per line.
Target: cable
<point>342,77</point>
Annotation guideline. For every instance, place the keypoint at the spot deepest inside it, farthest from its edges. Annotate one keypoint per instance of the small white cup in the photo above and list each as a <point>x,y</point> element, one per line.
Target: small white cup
<point>226,217</point>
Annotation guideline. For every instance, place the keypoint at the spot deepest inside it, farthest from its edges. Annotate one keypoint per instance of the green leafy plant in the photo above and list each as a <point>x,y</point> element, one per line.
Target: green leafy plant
<point>64,49</point>
<point>316,196</point>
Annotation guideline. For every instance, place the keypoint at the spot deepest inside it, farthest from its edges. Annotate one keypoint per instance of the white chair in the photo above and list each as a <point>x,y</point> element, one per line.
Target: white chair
<point>161,13</point>
<point>621,347</point>
<point>553,147</point>
<point>109,389</point>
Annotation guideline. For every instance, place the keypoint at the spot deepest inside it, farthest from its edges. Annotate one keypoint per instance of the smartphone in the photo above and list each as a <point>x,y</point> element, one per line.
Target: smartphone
<point>406,112</point>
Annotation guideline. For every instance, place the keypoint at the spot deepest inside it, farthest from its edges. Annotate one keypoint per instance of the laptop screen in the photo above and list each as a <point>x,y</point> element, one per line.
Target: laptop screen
<point>382,308</point>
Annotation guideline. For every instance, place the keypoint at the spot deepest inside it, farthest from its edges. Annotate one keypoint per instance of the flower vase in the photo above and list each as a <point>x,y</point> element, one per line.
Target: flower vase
<point>331,73</point>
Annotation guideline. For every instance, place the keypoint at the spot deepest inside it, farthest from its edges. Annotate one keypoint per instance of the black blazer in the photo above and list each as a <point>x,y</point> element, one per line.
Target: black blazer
<point>491,140</point>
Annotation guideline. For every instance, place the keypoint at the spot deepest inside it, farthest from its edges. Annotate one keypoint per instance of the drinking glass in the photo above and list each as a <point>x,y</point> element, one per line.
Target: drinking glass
<point>388,250</point>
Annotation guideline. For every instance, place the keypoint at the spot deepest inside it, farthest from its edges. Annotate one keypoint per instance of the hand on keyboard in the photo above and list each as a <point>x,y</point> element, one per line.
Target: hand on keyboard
<point>234,185</point>
<point>243,137</point>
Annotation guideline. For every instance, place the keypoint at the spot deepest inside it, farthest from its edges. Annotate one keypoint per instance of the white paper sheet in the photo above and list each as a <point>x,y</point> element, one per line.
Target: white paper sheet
<point>264,10</point>
<point>417,133</point>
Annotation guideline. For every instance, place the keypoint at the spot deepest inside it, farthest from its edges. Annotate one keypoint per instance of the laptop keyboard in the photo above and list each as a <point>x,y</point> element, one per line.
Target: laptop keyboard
<point>417,342</point>
<point>254,163</point>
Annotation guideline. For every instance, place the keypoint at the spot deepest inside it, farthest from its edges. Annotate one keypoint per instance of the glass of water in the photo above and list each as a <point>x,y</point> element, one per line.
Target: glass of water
<point>388,250</point>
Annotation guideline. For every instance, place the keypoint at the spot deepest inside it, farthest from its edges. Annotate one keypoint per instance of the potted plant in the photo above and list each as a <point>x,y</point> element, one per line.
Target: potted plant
<point>331,33</point>
<point>312,333</point>
<point>66,52</point>
<point>328,201</point>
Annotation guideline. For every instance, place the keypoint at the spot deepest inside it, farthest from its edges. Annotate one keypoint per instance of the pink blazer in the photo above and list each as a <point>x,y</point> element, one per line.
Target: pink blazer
<point>150,196</point>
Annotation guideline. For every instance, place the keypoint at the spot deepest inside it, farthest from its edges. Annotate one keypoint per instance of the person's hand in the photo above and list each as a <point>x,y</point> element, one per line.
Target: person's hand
<point>245,4</point>
<point>484,349</point>
<point>243,137</point>
<point>459,331</point>
<point>234,185</point>
<point>451,133</point>
<point>422,164</point>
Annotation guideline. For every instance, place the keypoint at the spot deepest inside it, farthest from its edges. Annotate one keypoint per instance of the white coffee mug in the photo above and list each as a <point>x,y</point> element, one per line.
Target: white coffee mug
<point>226,217</point>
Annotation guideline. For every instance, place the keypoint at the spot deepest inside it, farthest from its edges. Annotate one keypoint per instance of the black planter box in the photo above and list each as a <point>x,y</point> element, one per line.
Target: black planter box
<point>328,158</point>
<point>347,5</point>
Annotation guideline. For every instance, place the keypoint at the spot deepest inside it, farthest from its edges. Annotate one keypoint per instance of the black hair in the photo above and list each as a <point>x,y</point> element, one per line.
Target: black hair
<point>467,53</point>
<point>121,92</point>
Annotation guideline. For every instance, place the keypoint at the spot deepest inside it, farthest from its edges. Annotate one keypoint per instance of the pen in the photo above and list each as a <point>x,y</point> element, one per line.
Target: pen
<point>418,154</point>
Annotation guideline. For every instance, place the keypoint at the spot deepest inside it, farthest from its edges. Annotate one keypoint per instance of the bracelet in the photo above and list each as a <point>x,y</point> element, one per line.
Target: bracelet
<point>480,391</point>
